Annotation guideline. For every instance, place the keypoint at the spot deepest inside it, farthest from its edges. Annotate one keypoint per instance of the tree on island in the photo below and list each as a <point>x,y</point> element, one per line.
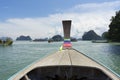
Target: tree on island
<point>105,35</point>
<point>24,38</point>
<point>114,31</point>
<point>57,38</point>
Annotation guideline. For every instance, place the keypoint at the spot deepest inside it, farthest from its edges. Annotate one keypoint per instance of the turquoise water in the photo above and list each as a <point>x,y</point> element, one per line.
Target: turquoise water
<point>20,54</point>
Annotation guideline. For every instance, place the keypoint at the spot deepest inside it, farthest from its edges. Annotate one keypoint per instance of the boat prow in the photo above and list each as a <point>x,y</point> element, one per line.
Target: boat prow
<point>67,64</point>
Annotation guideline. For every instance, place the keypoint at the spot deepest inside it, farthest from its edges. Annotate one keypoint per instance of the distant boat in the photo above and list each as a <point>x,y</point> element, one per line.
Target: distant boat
<point>66,64</point>
<point>99,41</point>
<point>5,41</point>
<point>50,40</point>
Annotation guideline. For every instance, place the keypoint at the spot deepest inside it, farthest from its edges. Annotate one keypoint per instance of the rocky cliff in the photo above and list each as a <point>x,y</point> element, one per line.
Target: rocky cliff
<point>91,35</point>
<point>24,38</point>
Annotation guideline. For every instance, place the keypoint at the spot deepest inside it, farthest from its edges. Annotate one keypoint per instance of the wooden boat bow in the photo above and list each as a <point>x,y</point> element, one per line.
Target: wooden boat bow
<point>67,64</point>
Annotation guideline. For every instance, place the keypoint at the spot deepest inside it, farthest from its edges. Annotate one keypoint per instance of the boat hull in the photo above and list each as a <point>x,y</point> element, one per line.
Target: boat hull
<point>66,65</point>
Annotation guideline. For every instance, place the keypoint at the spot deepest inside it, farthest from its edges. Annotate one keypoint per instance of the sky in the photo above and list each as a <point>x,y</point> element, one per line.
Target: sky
<point>43,18</point>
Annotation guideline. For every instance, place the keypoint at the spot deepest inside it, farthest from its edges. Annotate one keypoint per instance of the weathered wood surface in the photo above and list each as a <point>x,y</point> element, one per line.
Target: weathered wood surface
<point>66,57</point>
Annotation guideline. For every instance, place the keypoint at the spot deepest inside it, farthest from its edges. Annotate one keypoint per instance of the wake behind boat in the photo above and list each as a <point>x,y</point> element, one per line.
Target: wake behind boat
<point>66,64</point>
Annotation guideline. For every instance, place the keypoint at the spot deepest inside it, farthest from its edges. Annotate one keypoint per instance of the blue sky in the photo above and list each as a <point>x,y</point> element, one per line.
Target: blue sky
<point>39,18</point>
<point>37,8</point>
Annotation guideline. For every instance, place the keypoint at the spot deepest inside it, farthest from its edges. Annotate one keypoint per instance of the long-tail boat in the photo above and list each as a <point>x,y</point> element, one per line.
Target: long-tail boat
<point>66,64</point>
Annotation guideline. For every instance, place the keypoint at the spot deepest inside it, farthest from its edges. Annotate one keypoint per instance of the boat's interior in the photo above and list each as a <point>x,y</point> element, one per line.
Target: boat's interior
<point>66,73</point>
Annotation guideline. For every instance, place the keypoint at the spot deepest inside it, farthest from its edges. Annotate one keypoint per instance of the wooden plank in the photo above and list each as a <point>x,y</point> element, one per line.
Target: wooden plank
<point>52,59</point>
<point>66,57</point>
<point>82,60</point>
<point>65,60</point>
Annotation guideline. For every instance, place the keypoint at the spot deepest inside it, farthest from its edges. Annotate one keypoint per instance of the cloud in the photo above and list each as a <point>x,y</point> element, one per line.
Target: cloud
<point>95,7</point>
<point>35,27</point>
<point>85,17</point>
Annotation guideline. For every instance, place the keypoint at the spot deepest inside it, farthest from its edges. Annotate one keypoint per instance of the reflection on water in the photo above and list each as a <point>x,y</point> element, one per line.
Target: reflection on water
<point>16,57</point>
<point>114,57</point>
<point>114,49</point>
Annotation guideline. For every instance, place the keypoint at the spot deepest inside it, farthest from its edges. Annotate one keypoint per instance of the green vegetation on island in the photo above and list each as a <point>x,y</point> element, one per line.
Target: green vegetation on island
<point>24,38</point>
<point>114,31</point>
<point>57,38</point>
<point>6,41</point>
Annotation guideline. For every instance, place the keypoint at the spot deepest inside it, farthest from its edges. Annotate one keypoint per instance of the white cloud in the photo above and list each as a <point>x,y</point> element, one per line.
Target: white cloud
<point>95,7</point>
<point>90,16</point>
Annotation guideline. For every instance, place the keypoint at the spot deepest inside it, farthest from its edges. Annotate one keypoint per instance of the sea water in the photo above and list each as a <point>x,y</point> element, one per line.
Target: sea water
<point>21,54</point>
